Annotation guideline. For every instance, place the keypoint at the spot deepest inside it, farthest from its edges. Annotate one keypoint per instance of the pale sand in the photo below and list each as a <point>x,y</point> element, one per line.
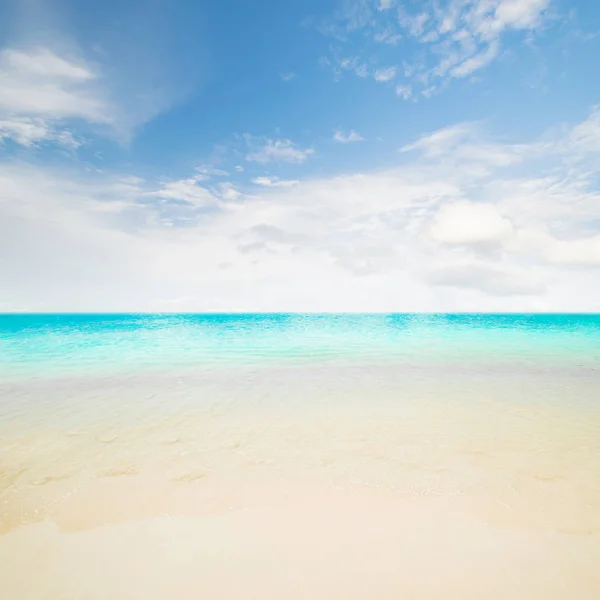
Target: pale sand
<point>326,544</point>
<point>489,490</point>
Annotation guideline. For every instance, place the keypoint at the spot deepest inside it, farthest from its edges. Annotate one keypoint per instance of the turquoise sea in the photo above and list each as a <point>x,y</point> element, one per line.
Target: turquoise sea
<point>429,456</point>
<point>40,345</point>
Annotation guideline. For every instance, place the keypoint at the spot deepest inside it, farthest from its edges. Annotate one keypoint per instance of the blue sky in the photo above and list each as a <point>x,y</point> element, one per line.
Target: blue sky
<point>333,155</point>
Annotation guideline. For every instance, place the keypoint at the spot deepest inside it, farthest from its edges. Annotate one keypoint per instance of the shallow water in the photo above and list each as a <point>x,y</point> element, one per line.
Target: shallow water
<point>442,456</point>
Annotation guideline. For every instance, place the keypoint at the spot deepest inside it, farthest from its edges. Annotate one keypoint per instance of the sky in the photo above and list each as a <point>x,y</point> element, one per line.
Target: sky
<point>307,155</point>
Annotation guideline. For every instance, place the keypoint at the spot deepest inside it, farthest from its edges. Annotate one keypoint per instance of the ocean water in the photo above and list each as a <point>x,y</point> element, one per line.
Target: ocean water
<point>285,455</point>
<point>40,345</point>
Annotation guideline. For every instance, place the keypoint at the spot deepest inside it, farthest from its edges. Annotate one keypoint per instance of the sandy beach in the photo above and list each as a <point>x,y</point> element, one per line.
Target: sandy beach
<point>291,482</point>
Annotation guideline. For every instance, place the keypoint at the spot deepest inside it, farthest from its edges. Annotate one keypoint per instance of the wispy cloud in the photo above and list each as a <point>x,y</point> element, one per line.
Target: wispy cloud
<point>43,93</point>
<point>386,74</point>
<point>441,141</point>
<point>347,138</point>
<point>122,79</point>
<point>264,151</point>
<point>495,279</point>
<point>476,62</point>
<point>274,182</point>
<point>208,171</point>
<point>387,36</point>
<point>28,131</point>
<point>186,190</point>
<point>288,76</point>
<point>404,91</point>
<point>43,63</point>
<point>450,39</point>
<point>464,221</point>
<point>341,64</point>
<point>40,83</point>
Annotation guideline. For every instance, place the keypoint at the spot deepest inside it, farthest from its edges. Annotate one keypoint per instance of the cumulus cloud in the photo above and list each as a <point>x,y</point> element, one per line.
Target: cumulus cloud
<point>520,14</point>
<point>470,223</point>
<point>442,230</point>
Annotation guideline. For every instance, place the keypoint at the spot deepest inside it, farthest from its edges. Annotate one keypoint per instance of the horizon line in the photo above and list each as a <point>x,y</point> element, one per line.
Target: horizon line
<point>299,313</point>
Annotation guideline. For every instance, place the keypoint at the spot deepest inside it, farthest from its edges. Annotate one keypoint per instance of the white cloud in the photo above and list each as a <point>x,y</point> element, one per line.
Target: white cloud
<point>186,190</point>
<point>581,252</point>
<point>469,33</point>
<point>414,23</point>
<point>42,84</point>
<point>441,141</point>
<point>463,143</point>
<point>269,150</point>
<point>44,63</point>
<point>429,92</point>
<point>470,223</point>
<point>491,278</point>
<point>451,39</point>
<point>454,226</point>
<point>404,91</point>
<point>474,63</point>
<point>227,191</point>
<point>585,137</point>
<point>386,74</point>
<point>274,182</point>
<point>239,169</point>
<point>287,76</point>
<point>387,36</point>
<point>351,64</point>
<point>208,172</point>
<point>362,71</point>
<point>343,138</point>
<point>521,14</point>
<point>67,140</point>
<point>24,131</point>
<point>28,131</point>
<point>64,89</point>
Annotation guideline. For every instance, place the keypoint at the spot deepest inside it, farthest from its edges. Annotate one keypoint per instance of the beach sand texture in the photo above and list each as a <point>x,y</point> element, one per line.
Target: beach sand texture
<point>349,479</point>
